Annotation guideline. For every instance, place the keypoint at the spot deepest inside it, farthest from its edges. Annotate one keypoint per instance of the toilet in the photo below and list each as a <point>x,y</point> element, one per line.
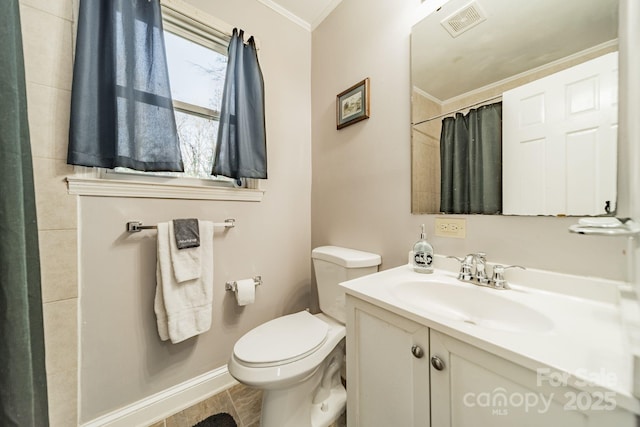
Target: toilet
<point>297,359</point>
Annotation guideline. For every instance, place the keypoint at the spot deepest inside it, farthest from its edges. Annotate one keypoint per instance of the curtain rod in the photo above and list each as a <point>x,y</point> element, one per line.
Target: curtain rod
<point>459,109</point>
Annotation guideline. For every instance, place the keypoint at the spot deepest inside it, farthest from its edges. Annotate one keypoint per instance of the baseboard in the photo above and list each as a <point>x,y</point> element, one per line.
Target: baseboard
<point>168,402</point>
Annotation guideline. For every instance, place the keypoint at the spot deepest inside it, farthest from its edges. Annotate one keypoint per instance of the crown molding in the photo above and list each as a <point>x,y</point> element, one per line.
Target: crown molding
<point>286,13</point>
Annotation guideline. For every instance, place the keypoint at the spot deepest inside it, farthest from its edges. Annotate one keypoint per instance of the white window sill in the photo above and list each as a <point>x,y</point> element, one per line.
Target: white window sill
<point>87,186</point>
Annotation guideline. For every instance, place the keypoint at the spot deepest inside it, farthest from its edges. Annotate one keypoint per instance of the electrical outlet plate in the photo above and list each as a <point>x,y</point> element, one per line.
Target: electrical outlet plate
<point>451,227</point>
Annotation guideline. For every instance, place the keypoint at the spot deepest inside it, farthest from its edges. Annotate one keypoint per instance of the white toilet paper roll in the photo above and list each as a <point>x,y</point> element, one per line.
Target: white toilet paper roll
<point>245,291</point>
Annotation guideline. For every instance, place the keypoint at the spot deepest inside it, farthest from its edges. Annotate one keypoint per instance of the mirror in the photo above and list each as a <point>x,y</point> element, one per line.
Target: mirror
<point>481,52</point>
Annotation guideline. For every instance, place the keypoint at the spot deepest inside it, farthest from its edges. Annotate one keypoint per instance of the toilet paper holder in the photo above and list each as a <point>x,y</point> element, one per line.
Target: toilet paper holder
<point>232,285</point>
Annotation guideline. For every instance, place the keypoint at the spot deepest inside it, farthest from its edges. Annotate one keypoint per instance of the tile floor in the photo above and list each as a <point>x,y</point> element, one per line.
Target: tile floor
<point>241,402</point>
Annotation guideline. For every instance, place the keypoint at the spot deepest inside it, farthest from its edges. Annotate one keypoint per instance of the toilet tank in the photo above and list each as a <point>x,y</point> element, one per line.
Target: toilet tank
<point>333,265</point>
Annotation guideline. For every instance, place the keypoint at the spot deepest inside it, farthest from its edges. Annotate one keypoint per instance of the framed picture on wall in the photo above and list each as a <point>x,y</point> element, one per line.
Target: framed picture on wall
<point>352,105</point>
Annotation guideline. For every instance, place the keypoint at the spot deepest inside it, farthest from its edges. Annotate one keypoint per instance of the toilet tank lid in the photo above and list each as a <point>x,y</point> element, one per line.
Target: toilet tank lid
<point>345,257</point>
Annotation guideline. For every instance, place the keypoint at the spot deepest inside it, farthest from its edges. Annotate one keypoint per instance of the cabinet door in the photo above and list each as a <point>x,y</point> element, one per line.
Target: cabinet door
<point>387,385</point>
<point>476,388</point>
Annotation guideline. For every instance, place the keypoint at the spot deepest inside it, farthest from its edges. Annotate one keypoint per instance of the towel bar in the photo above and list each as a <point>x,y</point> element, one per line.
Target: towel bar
<point>232,285</point>
<point>136,226</point>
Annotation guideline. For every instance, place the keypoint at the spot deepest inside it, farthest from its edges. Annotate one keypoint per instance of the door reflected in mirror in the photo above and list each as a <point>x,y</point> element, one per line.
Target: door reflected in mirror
<point>559,114</point>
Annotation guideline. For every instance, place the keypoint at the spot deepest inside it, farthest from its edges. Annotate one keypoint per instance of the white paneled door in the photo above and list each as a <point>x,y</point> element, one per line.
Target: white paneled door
<point>559,142</point>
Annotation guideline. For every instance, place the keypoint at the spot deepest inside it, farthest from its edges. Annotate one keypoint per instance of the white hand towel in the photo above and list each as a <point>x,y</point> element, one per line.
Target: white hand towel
<point>183,310</point>
<point>185,262</point>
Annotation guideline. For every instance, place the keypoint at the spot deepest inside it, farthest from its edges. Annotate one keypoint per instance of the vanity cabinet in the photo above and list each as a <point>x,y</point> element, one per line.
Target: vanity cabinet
<point>386,384</point>
<point>478,388</point>
<point>402,373</point>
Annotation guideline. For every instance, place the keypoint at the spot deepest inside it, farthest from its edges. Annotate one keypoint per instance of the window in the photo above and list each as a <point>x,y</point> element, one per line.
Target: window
<point>197,43</point>
<point>196,75</point>
<point>197,62</point>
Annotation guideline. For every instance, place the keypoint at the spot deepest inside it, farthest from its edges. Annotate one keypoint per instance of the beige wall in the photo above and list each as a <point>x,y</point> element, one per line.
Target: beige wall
<point>118,334</point>
<point>122,358</point>
<point>361,174</point>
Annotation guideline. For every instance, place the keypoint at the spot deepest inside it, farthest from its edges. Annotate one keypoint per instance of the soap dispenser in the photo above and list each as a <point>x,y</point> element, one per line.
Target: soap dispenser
<point>423,254</point>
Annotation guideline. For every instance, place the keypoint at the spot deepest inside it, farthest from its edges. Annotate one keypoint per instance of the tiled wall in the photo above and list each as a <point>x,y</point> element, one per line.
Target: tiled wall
<point>425,154</point>
<point>47,38</point>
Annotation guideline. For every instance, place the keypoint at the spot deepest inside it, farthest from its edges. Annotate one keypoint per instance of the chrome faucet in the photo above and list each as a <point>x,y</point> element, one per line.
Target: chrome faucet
<point>473,269</point>
<point>480,261</point>
<point>466,267</point>
<point>498,281</point>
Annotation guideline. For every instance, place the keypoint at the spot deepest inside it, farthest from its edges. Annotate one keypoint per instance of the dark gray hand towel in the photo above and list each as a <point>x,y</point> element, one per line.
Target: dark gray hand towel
<point>187,233</point>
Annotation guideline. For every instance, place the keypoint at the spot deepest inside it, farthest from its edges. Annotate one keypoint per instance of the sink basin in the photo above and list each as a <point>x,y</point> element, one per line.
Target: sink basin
<point>470,304</point>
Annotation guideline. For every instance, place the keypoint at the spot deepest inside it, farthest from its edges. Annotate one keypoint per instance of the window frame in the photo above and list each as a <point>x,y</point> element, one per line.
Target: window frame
<point>193,24</point>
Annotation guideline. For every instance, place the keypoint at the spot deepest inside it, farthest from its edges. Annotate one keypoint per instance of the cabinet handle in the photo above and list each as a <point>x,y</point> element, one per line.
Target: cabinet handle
<point>437,363</point>
<point>417,352</point>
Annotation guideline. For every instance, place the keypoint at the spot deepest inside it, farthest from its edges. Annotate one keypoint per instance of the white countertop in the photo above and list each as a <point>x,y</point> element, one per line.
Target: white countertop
<point>587,341</point>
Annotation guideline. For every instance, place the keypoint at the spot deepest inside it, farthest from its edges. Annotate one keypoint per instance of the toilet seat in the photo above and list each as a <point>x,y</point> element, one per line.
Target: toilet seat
<point>282,340</point>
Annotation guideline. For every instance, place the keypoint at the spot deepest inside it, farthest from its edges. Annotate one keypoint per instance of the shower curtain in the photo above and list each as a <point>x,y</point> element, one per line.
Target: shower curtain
<point>471,162</point>
<point>23,384</point>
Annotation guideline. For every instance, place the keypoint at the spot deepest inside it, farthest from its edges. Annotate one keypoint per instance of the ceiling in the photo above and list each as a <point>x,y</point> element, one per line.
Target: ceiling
<point>306,13</point>
<point>516,36</point>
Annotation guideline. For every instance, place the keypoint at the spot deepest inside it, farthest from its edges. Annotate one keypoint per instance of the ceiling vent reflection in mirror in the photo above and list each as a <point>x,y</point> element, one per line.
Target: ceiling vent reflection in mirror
<point>464,19</point>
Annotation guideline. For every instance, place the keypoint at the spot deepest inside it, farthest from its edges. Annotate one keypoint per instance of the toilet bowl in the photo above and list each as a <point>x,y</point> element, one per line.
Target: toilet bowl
<point>297,359</point>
